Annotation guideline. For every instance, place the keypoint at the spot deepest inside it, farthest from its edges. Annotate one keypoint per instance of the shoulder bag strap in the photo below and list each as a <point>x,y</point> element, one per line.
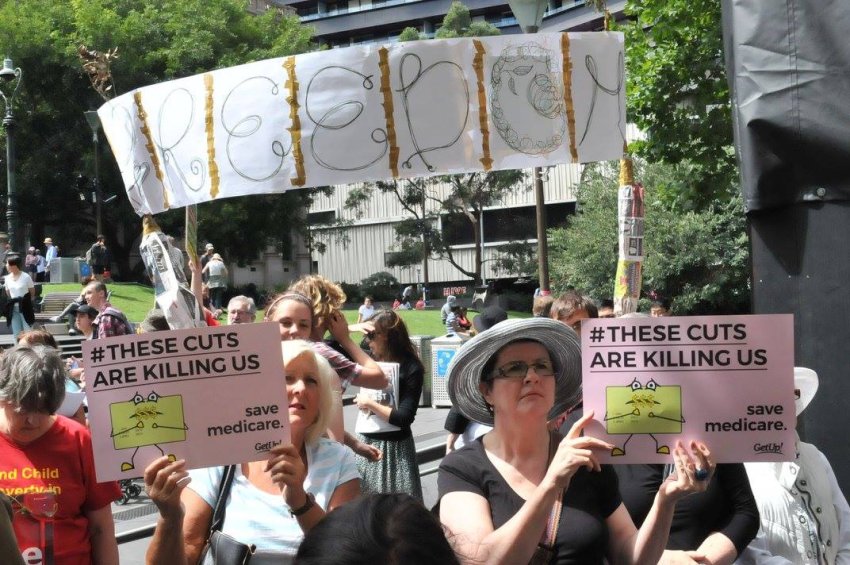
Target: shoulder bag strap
<point>221,500</point>
<point>551,531</point>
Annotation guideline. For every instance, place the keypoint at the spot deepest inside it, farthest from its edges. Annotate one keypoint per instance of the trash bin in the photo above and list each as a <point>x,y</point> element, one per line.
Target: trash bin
<point>422,343</point>
<point>443,350</point>
<point>63,270</point>
<point>82,269</point>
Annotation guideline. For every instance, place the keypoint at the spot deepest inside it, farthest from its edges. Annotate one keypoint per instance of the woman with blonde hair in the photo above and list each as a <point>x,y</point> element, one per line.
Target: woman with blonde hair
<point>272,503</point>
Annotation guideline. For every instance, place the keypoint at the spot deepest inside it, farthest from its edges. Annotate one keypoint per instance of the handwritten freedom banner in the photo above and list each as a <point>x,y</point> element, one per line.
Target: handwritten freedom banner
<point>724,380</point>
<point>212,396</point>
<point>368,113</point>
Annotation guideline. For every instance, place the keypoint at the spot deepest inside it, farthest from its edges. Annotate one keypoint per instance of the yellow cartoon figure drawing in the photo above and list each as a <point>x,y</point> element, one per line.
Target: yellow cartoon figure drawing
<point>643,409</point>
<point>147,421</point>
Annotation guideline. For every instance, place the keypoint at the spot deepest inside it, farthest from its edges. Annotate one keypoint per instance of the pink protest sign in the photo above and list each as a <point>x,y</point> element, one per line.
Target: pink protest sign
<point>724,380</point>
<point>212,396</point>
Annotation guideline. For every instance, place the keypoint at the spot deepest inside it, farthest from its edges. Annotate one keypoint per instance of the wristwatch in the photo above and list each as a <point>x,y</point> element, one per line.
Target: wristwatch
<point>304,508</point>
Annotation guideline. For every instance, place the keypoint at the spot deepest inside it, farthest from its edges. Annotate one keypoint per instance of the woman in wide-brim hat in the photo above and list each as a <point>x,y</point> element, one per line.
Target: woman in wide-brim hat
<point>502,495</point>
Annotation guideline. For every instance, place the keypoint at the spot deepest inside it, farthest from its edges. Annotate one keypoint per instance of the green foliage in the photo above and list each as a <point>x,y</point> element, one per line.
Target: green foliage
<point>425,322</point>
<point>458,23</point>
<point>380,286</point>
<point>698,259</point>
<point>409,34</point>
<point>517,257</point>
<point>678,95</point>
<point>157,40</point>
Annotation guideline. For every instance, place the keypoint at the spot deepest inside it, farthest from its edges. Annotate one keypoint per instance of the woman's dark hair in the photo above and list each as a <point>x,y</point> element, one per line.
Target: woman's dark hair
<point>14,259</point>
<point>391,529</point>
<point>399,346</point>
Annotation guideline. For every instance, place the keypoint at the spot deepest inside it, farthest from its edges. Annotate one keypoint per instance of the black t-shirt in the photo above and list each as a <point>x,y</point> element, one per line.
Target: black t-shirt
<point>591,497</point>
<point>727,506</point>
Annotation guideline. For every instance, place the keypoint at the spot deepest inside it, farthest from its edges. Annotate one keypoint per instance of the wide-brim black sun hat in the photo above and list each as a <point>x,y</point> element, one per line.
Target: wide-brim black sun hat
<point>464,372</point>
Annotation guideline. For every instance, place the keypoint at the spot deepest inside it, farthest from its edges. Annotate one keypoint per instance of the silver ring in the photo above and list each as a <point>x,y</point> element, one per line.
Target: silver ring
<point>701,474</point>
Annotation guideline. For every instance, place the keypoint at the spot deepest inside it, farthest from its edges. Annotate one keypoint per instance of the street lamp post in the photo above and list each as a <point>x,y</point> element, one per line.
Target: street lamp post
<point>529,15</point>
<point>10,75</point>
<point>94,123</point>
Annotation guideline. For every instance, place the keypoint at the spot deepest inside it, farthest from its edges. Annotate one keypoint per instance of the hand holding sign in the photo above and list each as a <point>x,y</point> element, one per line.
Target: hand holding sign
<point>164,482</point>
<point>288,472</point>
<point>689,466</point>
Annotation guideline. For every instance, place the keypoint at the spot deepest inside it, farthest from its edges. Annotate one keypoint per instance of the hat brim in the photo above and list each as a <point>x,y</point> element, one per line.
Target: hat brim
<point>806,381</point>
<point>562,343</point>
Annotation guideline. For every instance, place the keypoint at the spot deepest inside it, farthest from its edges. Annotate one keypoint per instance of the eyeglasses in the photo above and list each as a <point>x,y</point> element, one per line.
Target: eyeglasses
<point>519,369</point>
<point>36,504</point>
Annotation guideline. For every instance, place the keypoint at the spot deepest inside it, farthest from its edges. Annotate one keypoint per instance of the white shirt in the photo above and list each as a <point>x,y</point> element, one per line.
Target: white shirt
<point>50,254</point>
<point>366,312</point>
<point>805,517</point>
<point>255,516</point>
<point>20,286</point>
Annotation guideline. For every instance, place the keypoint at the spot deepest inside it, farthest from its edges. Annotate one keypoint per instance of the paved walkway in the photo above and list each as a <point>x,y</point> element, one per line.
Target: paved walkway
<point>427,431</point>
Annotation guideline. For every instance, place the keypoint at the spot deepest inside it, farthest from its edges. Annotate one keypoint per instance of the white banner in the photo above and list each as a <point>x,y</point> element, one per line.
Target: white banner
<point>369,113</point>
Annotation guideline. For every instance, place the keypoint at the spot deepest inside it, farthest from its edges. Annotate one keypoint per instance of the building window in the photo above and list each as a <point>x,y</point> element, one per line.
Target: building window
<point>506,224</point>
<point>321,218</point>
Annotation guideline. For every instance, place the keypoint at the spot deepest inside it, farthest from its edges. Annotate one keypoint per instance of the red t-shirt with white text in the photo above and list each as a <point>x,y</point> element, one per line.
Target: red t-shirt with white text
<point>54,475</point>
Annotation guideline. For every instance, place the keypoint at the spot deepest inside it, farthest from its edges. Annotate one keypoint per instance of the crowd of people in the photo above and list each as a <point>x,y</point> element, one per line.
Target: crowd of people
<point>521,481</point>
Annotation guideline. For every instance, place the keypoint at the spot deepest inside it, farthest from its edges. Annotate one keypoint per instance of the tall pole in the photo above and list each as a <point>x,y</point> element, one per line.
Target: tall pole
<point>542,244</point>
<point>529,16</point>
<point>9,74</point>
<point>11,204</point>
<point>94,123</point>
<point>97,196</point>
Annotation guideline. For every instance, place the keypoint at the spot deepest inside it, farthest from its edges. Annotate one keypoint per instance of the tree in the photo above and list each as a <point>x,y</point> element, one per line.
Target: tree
<point>458,23</point>
<point>678,94</point>
<point>430,202</point>
<point>409,34</point>
<point>697,258</point>
<point>157,40</point>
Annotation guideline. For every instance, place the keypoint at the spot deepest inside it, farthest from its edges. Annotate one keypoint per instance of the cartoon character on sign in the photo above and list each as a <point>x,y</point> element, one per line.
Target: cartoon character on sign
<point>643,409</point>
<point>141,422</point>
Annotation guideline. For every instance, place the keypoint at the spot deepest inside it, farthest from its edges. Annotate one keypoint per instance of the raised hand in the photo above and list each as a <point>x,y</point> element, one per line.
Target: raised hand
<point>693,470</point>
<point>576,451</point>
<point>164,481</point>
<point>338,326</point>
<point>288,472</point>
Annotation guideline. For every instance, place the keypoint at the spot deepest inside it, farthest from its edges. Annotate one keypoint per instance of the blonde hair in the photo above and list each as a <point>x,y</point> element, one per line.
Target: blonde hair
<point>295,348</point>
<point>325,296</point>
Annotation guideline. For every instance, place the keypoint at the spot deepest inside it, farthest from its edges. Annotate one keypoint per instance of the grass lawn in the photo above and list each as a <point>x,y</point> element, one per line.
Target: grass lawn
<point>426,322</point>
<point>135,300</point>
<point>131,298</point>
